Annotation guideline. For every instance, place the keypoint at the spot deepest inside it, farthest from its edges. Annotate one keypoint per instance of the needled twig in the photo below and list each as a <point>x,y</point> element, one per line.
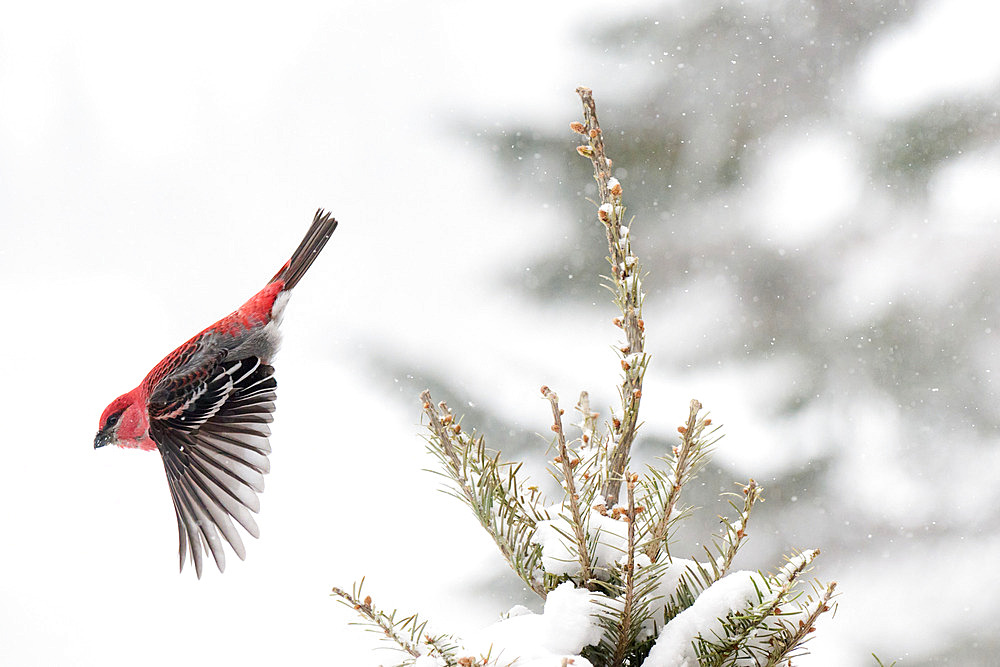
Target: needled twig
<point>796,638</point>
<point>448,434</point>
<point>375,617</point>
<point>682,465</point>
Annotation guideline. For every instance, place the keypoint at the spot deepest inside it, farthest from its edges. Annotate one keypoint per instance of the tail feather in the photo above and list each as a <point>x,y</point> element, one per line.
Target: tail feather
<point>319,233</point>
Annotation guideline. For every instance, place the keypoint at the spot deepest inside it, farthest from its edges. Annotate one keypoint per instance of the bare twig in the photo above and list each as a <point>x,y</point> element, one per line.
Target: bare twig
<point>626,275</point>
<point>567,464</point>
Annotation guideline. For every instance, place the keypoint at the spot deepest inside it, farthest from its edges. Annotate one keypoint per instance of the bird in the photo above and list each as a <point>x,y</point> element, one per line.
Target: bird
<point>206,408</point>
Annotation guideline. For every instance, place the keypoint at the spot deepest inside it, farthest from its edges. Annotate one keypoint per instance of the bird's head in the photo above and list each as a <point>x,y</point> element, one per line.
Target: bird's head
<point>124,423</point>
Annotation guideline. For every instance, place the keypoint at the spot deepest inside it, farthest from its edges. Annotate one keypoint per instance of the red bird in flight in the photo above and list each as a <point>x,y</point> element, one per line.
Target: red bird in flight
<point>206,409</point>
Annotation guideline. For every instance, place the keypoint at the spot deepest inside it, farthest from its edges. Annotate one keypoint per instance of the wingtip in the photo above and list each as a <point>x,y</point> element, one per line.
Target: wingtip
<point>324,216</point>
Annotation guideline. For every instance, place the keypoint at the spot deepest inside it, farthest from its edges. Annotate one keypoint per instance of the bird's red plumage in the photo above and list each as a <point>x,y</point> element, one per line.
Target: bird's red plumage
<point>253,314</point>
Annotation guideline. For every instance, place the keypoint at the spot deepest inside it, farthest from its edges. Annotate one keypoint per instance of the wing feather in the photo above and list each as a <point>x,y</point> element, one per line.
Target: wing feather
<point>233,467</point>
<point>181,527</point>
<point>214,443</point>
<point>190,524</point>
<point>204,521</point>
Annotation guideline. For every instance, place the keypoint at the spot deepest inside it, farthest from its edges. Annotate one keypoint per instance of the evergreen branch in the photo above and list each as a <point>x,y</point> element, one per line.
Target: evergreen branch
<point>567,465</point>
<point>687,460</point>
<point>386,624</point>
<point>494,497</point>
<point>627,288</point>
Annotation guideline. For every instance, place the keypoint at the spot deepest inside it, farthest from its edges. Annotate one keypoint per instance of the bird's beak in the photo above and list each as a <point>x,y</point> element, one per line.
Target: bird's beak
<point>104,438</point>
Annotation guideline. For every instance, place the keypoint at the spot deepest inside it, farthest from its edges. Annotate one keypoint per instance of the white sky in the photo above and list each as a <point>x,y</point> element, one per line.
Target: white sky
<point>156,167</point>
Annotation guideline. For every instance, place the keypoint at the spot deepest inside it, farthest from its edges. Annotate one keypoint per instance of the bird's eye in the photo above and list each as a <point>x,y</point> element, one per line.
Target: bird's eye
<point>112,420</point>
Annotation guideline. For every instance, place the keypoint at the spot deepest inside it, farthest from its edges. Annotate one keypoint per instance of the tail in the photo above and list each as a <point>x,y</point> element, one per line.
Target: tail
<point>319,233</point>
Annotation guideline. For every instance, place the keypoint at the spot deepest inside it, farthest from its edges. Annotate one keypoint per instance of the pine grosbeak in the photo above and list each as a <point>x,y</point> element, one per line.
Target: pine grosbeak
<point>206,409</point>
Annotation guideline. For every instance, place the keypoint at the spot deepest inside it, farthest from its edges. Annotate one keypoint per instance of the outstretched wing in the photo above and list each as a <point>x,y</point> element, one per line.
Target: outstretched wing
<point>212,434</point>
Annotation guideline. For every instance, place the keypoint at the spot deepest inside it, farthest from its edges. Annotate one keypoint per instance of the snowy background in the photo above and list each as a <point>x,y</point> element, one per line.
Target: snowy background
<point>817,189</point>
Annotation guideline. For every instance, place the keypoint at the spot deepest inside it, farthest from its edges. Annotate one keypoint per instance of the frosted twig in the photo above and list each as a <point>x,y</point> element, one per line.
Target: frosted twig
<point>735,534</point>
<point>444,436</point>
<point>626,277</point>
<point>567,465</point>
<point>588,423</point>
<point>624,627</point>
